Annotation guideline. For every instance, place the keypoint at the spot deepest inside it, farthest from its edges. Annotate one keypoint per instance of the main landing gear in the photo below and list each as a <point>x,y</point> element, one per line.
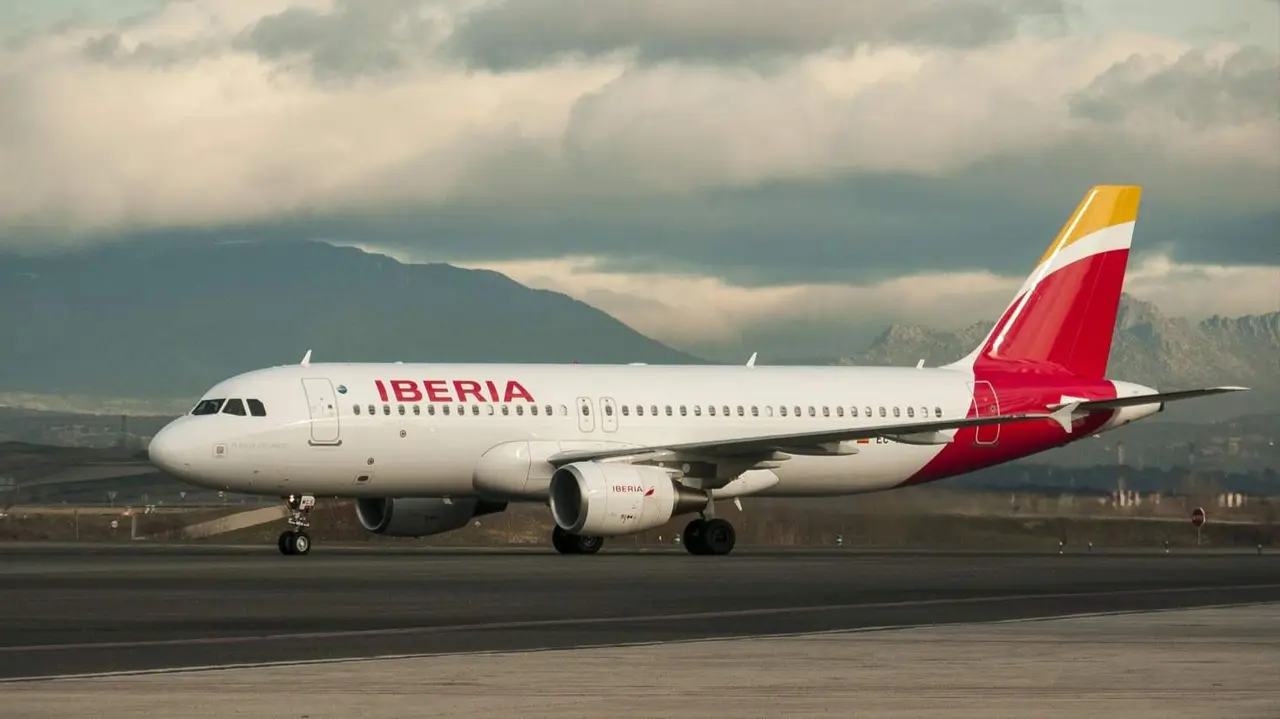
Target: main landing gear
<point>566,543</point>
<point>296,540</point>
<point>709,536</point>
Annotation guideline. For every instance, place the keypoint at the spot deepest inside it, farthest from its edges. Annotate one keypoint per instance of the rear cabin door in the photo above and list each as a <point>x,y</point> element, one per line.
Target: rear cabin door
<point>324,411</point>
<point>586,415</point>
<point>986,404</point>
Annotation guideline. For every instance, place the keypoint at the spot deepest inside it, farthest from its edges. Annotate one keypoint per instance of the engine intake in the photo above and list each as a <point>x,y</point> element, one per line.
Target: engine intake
<point>603,500</point>
<point>420,516</point>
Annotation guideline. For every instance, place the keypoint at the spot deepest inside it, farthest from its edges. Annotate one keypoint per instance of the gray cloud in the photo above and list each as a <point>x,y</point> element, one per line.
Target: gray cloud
<point>1195,89</point>
<point>360,37</point>
<point>520,33</point>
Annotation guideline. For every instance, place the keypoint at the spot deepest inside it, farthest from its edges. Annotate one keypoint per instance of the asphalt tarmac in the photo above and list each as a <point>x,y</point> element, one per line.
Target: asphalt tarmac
<point>83,609</point>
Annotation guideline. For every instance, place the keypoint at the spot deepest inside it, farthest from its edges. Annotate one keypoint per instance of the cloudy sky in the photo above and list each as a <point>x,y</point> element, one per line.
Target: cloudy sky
<point>723,175</point>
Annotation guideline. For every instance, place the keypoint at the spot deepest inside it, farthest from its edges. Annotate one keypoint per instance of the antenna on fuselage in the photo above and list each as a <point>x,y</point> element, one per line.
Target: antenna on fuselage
<point>306,358</point>
<point>752,362</point>
<point>920,364</point>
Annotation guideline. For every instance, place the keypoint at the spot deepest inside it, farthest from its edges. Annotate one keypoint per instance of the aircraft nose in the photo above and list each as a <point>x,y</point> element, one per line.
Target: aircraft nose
<point>166,451</point>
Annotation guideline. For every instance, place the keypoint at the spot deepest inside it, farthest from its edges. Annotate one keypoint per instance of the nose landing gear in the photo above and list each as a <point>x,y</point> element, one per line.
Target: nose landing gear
<point>296,541</point>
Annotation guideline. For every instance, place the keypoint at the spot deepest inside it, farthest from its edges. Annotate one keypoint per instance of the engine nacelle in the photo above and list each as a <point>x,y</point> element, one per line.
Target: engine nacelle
<point>420,516</point>
<point>602,500</point>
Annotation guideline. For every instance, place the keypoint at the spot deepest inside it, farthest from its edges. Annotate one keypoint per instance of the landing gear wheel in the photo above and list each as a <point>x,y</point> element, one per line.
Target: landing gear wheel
<point>709,536</point>
<point>718,536</point>
<point>285,542</point>
<point>566,543</point>
<point>588,545</point>
<point>301,543</point>
<point>693,536</point>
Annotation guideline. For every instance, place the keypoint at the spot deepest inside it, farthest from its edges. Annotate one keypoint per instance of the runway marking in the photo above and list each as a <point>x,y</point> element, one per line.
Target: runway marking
<point>611,645</point>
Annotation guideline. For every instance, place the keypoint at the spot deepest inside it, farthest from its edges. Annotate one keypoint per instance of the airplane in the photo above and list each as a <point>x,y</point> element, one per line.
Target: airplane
<point>614,450</point>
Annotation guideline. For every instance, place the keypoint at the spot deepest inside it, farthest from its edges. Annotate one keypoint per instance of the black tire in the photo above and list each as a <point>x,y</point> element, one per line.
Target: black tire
<point>285,542</point>
<point>587,545</point>
<point>563,541</point>
<point>718,537</point>
<point>693,537</point>
<point>301,543</point>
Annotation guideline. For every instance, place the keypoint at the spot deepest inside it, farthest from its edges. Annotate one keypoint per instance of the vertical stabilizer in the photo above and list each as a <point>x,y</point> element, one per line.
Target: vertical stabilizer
<point>1064,315</point>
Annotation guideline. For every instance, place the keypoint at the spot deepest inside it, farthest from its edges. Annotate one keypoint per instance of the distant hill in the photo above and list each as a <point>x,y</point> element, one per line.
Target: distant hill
<point>1147,347</point>
<point>169,321</point>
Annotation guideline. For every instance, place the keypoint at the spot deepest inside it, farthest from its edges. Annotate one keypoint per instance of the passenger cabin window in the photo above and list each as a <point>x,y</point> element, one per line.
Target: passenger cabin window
<point>234,406</point>
<point>417,410</point>
<point>911,411</point>
<point>208,406</point>
<point>401,409</point>
<point>356,409</point>
<point>372,409</point>
<point>937,411</point>
<point>256,408</point>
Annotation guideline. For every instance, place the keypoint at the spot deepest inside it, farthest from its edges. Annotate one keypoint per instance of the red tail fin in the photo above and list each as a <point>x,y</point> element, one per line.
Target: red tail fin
<point>1064,315</point>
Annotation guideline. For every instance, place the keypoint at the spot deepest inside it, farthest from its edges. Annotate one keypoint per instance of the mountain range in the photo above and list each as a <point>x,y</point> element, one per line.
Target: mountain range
<point>167,321</point>
<point>159,323</point>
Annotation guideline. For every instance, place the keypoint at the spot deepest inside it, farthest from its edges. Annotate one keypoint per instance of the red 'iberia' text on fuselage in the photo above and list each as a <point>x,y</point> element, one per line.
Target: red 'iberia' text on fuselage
<point>458,390</point>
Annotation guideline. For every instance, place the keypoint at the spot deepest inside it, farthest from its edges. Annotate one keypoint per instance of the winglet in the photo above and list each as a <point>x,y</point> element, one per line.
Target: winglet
<point>752,362</point>
<point>1062,415</point>
<point>306,358</point>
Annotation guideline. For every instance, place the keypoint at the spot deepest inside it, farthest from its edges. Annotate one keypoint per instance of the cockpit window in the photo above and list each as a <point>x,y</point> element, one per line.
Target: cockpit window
<point>256,408</point>
<point>234,406</point>
<point>208,406</point>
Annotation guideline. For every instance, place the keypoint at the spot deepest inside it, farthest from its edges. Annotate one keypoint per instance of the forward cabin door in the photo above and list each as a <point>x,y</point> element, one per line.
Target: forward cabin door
<point>324,411</point>
<point>608,414</point>
<point>586,415</point>
<point>985,404</point>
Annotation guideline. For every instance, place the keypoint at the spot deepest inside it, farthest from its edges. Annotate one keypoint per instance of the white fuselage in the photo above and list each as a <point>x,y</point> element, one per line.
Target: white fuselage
<point>342,430</point>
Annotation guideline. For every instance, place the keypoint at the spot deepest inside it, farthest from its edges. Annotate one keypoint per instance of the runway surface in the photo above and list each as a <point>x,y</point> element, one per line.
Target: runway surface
<point>127,608</point>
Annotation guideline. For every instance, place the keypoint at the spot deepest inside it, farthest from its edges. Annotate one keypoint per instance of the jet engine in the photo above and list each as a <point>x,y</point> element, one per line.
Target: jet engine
<point>600,500</point>
<point>420,517</point>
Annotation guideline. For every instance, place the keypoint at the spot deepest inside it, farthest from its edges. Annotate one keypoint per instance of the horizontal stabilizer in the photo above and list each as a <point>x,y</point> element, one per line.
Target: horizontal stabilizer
<point>1142,399</point>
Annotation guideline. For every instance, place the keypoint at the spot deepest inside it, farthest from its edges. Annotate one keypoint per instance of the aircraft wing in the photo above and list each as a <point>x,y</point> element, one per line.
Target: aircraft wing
<point>1090,405</point>
<point>767,444</point>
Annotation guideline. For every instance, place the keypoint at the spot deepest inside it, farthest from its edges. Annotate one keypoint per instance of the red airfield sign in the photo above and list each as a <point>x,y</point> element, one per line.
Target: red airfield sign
<point>1197,517</point>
